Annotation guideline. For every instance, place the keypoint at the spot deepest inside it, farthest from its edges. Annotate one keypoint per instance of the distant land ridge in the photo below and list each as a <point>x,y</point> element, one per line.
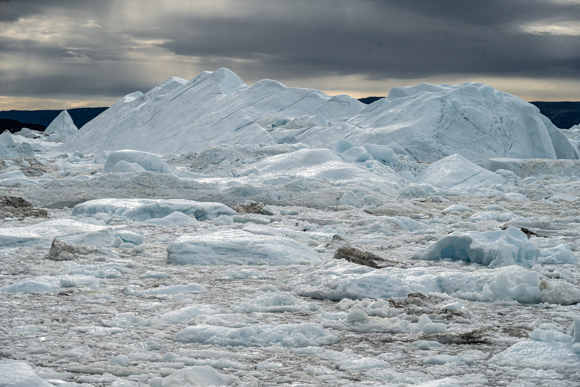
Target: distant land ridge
<point>562,114</point>
<point>80,116</point>
<point>14,126</point>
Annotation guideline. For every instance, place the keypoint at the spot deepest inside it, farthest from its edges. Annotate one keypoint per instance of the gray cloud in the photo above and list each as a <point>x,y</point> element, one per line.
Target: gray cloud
<point>113,47</point>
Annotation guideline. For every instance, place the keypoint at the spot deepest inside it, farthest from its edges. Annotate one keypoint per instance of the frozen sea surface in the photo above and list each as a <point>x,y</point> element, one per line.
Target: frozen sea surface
<point>216,267</point>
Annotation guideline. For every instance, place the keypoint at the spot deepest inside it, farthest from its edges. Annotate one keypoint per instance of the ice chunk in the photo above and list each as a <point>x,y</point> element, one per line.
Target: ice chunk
<point>43,233</point>
<point>237,247</point>
<point>166,290</point>
<point>15,373</point>
<point>274,302</point>
<point>381,153</point>
<point>176,218</point>
<point>125,167</point>
<point>203,376</point>
<point>431,328</point>
<point>356,154</point>
<point>145,209</point>
<point>29,285</point>
<point>493,248</point>
<point>364,363</point>
<point>12,150</point>
<point>456,208</point>
<point>147,161</point>
<point>129,236</point>
<point>184,315</point>
<point>343,145</point>
<point>560,254</point>
<point>289,335</point>
<point>457,172</point>
<point>555,355</point>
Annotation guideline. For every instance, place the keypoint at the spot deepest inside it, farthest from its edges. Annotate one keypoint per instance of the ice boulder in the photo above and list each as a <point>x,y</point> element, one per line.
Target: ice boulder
<point>146,209</point>
<point>61,127</point>
<point>493,248</point>
<point>15,373</point>
<point>148,161</point>
<point>457,172</point>
<point>203,376</point>
<point>237,247</point>
<point>9,149</point>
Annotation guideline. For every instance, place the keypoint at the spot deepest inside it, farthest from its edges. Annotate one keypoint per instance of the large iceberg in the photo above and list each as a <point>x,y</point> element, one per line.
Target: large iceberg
<point>429,122</point>
<point>213,108</point>
<point>426,122</point>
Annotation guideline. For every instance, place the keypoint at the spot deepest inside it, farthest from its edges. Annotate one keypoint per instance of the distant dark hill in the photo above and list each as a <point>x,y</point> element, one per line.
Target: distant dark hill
<point>80,116</point>
<point>15,126</point>
<point>369,100</point>
<point>562,114</point>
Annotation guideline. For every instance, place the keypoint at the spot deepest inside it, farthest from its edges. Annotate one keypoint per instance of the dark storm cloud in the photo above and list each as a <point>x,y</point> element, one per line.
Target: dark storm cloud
<point>393,39</point>
<point>113,47</point>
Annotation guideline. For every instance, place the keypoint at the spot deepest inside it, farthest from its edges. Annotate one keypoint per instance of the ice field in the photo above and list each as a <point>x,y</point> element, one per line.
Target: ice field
<point>211,233</point>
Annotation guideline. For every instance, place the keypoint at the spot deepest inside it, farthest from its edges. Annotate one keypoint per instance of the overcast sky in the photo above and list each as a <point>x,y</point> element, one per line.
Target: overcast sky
<point>72,53</point>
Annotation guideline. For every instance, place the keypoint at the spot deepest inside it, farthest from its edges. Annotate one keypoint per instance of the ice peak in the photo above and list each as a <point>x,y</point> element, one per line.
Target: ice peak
<point>227,80</point>
<point>62,123</point>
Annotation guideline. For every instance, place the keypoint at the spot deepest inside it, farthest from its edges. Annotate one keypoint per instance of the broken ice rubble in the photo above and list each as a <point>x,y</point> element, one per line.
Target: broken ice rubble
<point>464,199</point>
